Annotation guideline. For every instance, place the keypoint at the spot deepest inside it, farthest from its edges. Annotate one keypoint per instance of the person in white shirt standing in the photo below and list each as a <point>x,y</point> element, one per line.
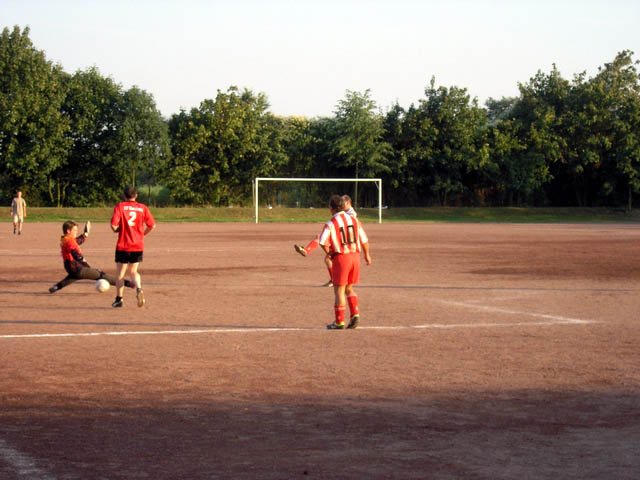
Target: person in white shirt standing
<point>19,212</point>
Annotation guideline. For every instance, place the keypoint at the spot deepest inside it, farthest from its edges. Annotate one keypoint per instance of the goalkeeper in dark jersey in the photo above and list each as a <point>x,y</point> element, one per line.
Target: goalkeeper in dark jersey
<point>74,262</point>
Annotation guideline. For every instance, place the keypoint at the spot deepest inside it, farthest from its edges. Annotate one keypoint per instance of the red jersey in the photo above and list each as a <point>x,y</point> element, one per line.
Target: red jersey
<point>71,254</point>
<point>131,218</point>
<point>343,234</point>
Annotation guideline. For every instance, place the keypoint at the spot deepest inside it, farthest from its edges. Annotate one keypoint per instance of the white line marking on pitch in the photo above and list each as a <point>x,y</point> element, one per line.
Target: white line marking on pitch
<point>504,298</point>
<point>485,325</point>
<point>159,332</point>
<point>552,320</point>
<point>24,465</point>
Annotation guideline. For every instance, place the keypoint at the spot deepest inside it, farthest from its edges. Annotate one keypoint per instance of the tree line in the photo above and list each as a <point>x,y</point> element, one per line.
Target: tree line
<point>77,139</point>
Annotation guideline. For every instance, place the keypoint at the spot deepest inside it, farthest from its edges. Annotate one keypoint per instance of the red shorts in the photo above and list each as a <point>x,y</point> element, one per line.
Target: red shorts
<point>346,269</point>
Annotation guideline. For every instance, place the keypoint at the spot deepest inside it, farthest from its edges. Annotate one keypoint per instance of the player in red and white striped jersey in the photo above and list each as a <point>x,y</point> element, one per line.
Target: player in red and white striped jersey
<point>343,238</point>
<point>315,243</point>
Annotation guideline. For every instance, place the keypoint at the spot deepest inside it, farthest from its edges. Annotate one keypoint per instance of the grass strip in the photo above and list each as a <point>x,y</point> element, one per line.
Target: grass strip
<point>310,215</point>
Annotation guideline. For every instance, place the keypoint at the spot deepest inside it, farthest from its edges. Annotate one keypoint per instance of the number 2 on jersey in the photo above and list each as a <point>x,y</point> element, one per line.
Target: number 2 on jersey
<point>132,219</point>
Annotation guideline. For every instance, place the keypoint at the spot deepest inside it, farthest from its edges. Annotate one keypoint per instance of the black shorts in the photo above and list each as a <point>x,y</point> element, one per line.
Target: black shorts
<point>128,257</point>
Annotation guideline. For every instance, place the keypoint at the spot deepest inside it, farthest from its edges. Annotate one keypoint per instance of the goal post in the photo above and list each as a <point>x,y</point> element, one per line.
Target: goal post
<point>257,180</point>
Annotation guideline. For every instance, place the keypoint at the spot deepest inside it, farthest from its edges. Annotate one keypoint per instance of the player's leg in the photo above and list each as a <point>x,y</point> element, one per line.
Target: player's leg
<point>137,281</point>
<point>329,263</point>
<point>88,273</point>
<point>15,224</point>
<point>341,267</point>
<point>339,308</point>
<point>311,246</point>
<point>354,308</point>
<point>113,280</point>
<point>62,283</point>
<point>121,270</point>
<point>20,222</point>
<point>350,293</point>
<point>134,276</point>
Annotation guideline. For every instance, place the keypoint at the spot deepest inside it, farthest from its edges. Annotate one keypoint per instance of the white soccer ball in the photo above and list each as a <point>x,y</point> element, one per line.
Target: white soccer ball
<point>102,285</point>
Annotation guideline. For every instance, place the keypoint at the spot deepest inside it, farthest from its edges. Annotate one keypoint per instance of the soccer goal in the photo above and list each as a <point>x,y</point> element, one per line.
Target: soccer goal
<point>376,181</point>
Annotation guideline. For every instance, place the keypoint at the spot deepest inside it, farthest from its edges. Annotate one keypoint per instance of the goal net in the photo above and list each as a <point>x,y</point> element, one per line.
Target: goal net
<point>315,192</point>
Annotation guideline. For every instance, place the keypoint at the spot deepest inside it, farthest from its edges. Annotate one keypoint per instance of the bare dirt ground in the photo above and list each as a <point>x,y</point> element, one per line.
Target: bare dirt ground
<point>485,352</point>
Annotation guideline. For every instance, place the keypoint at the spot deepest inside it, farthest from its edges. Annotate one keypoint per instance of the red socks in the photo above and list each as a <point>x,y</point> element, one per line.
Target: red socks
<point>313,244</point>
<point>353,305</point>
<point>340,310</point>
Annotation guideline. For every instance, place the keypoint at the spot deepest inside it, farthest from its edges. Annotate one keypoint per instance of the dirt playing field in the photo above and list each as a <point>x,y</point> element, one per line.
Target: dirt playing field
<point>485,351</point>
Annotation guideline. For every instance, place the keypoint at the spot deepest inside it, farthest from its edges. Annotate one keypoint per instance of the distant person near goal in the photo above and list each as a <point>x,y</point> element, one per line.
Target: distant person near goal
<point>18,212</point>
<point>343,238</point>
<point>315,243</point>
<point>131,221</point>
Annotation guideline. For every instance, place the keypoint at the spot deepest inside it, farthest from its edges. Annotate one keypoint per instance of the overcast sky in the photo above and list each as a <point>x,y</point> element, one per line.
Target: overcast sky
<point>304,55</point>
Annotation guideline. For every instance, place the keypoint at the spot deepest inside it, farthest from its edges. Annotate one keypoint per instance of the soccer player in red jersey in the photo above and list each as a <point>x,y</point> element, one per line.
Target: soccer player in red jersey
<point>315,243</point>
<point>132,221</point>
<point>74,262</point>
<point>343,238</point>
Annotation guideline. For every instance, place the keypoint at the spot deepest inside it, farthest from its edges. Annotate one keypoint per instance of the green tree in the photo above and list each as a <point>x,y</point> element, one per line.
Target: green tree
<point>454,130</point>
<point>188,137</point>
<point>395,180</point>
<point>310,151</point>
<point>359,142</point>
<point>539,123</point>
<point>614,138</point>
<point>220,147</point>
<point>323,132</point>
<point>598,125</point>
<point>579,172</point>
<point>418,138</point>
<point>499,110</point>
<point>297,143</point>
<point>144,136</point>
<point>96,168</point>
<point>298,140</point>
<point>514,175</point>
<point>32,129</point>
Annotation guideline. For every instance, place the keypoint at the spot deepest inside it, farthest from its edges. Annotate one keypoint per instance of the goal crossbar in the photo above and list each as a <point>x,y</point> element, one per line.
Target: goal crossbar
<point>377,181</point>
